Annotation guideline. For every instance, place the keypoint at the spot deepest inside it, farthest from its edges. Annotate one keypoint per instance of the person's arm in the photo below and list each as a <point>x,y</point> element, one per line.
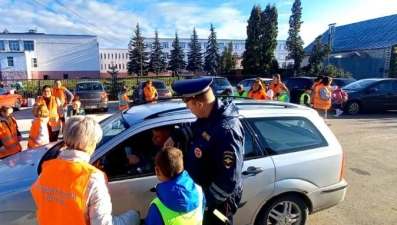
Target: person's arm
<point>99,205</point>
<point>69,97</point>
<point>125,98</point>
<point>185,133</point>
<point>324,95</point>
<point>154,217</point>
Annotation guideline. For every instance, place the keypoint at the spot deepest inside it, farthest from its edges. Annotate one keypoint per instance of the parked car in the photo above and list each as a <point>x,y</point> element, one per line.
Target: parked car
<point>8,99</point>
<point>247,83</point>
<point>341,82</point>
<point>296,86</point>
<point>371,94</point>
<point>160,86</point>
<point>220,84</point>
<point>92,95</point>
<point>284,178</point>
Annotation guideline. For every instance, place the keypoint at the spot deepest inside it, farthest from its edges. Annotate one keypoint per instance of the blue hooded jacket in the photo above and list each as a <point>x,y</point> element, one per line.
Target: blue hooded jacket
<point>179,194</point>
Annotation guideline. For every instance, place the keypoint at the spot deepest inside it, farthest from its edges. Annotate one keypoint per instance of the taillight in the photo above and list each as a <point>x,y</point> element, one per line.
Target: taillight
<point>342,170</point>
<point>104,97</point>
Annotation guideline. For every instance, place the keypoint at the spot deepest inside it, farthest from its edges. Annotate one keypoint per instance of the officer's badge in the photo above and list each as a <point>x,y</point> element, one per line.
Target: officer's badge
<point>206,136</point>
<point>198,153</point>
<point>228,159</point>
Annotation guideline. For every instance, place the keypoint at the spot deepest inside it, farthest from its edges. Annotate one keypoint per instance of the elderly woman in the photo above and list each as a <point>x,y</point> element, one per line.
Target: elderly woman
<point>71,191</point>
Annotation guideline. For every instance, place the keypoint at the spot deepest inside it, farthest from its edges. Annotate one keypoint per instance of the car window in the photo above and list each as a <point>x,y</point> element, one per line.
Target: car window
<point>112,126</point>
<point>244,83</point>
<point>156,84</point>
<point>2,91</point>
<point>341,82</point>
<point>221,82</point>
<point>89,87</point>
<point>384,86</point>
<point>360,84</point>
<point>287,134</point>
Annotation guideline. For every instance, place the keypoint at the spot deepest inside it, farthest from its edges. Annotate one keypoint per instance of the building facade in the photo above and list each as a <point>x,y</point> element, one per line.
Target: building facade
<point>34,55</point>
<point>117,58</point>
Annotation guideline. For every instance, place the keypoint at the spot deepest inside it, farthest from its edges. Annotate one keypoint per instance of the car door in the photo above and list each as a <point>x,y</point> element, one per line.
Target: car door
<point>5,98</point>
<point>378,96</point>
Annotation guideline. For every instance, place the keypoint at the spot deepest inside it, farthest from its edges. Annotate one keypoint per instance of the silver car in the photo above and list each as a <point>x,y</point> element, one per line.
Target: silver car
<point>92,95</point>
<point>293,165</point>
<point>247,83</point>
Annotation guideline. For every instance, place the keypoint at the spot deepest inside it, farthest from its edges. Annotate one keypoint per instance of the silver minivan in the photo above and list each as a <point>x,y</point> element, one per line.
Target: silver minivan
<point>293,164</point>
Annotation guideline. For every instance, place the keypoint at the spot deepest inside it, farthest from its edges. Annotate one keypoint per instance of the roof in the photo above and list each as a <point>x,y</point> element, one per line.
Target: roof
<point>43,34</point>
<point>369,34</point>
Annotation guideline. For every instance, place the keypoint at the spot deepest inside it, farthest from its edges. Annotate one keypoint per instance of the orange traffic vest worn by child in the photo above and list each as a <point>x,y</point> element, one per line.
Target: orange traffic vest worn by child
<point>54,121</point>
<point>318,102</point>
<point>150,93</point>
<point>259,95</point>
<point>61,199</point>
<point>39,128</point>
<point>9,138</point>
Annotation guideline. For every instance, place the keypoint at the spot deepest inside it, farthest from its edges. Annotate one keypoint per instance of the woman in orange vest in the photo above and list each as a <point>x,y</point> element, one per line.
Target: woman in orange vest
<point>54,106</point>
<point>322,97</point>
<point>275,85</point>
<point>39,134</point>
<point>317,81</point>
<point>257,91</point>
<point>9,133</point>
<point>123,99</point>
<point>81,195</point>
<point>150,92</point>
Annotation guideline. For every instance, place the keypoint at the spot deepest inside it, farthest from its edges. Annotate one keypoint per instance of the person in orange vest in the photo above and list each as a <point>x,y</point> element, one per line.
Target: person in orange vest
<point>322,97</point>
<point>39,134</point>
<point>55,107</point>
<point>257,91</point>
<point>150,92</point>
<point>275,85</point>
<point>9,133</point>
<point>317,81</point>
<point>123,99</point>
<point>81,195</point>
<point>63,94</point>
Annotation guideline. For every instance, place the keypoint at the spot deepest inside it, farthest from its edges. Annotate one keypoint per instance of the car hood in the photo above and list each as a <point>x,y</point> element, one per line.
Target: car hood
<point>20,170</point>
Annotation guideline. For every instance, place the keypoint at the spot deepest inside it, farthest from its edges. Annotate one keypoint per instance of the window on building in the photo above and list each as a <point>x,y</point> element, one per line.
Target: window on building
<point>34,62</point>
<point>119,66</point>
<point>123,67</point>
<point>14,46</point>
<point>46,77</point>
<point>2,46</point>
<point>205,45</point>
<point>126,56</point>
<point>165,44</point>
<point>108,56</point>
<point>104,66</point>
<point>101,55</point>
<point>119,56</point>
<point>112,55</point>
<point>104,56</point>
<point>65,76</point>
<point>109,66</point>
<point>10,61</point>
<point>101,67</point>
<point>236,46</point>
<point>28,45</point>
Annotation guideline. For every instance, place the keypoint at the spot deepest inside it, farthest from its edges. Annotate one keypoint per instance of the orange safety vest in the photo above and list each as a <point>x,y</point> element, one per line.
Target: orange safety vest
<point>276,88</point>
<point>259,95</point>
<point>315,84</point>
<point>318,102</point>
<point>34,134</point>
<point>9,138</point>
<point>59,93</point>
<point>123,99</point>
<point>54,121</point>
<point>61,199</point>
<point>150,94</point>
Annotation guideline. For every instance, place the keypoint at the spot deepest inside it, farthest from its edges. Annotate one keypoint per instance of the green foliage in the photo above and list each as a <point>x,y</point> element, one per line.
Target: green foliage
<point>228,59</point>
<point>137,54</point>
<point>268,40</point>
<point>194,56</point>
<point>157,63</point>
<point>252,53</point>
<point>329,70</point>
<point>393,63</point>
<point>212,58</point>
<point>294,42</point>
<point>319,52</point>
<point>177,62</point>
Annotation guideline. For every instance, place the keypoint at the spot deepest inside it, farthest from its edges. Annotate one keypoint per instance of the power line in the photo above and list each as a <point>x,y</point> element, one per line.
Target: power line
<point>60,3</point>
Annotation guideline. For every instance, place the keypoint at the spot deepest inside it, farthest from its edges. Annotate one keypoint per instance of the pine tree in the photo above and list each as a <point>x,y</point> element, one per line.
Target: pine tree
<point>319,52</point>
<point>157,63</point>
<point>177,62</point>
<point>137,54</point>
<point>268,40</point>
<point>194,56</point>
<point>294,42</point>
<point>228,59</point>
<point>212,57</point>
<point>252,53</point>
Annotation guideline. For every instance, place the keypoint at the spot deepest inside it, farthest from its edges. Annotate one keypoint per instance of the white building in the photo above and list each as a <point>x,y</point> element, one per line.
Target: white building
<point>34,55</point>
<point>113,57</point>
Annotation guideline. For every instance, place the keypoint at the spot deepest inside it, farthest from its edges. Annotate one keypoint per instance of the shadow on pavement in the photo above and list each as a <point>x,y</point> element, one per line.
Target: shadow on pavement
<point>389,116</point>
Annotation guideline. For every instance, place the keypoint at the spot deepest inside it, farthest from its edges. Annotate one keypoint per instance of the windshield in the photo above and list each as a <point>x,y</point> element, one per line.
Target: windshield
<point>89,86</point>
<point>112,126</point>
<point>360,84</point>
<point>221,82</point>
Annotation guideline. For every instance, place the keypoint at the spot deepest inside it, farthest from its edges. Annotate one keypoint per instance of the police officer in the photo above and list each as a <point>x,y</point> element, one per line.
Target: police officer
<point>215,156</point>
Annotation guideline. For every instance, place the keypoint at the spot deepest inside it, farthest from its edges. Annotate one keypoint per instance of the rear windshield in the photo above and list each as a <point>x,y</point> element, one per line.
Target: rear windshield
<point>298,83</point>
<point>156,84</point>
<point>89,87</point>
<point>221,82</point>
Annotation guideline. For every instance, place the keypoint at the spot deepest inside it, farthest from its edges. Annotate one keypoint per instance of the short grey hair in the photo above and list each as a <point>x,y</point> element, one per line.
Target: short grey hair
<point>81,131</point>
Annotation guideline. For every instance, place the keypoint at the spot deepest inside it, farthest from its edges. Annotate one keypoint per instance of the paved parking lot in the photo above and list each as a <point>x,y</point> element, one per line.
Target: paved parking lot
<point>370,144</point>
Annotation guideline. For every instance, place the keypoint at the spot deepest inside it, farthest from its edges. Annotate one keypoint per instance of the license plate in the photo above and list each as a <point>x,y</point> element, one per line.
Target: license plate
<point>90,107</point>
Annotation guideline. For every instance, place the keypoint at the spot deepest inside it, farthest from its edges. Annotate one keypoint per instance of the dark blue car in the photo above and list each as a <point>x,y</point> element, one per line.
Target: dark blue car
<point>220,84</point>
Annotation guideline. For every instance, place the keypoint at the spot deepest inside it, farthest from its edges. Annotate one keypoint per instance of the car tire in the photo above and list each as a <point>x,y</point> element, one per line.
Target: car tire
<point>106,109</point>
<point>273,211</point>
<point>18,105</point>
<point>353,108</point>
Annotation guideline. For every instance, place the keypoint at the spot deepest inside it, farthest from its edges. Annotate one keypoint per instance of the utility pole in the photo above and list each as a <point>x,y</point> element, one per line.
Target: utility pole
<point>141,44</point>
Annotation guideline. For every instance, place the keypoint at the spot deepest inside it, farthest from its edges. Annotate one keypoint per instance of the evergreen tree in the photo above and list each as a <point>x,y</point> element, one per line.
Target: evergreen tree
<point>228,59</point>
<point>268,39</point>
<point>252,54</point>
<point>212,57</point>
<point>393,62</point>
<point>319,52</point>
<point>194,56</point>
<point>294,42</point>
<point>177,62</point>
<point>157,63</point>
<point>137,54</point>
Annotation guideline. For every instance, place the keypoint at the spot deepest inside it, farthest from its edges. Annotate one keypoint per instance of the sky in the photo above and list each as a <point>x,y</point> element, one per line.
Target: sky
<point>113,21</point>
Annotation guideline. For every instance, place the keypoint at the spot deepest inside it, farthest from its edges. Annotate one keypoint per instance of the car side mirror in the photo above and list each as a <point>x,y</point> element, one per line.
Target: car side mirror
<point>372,90</point>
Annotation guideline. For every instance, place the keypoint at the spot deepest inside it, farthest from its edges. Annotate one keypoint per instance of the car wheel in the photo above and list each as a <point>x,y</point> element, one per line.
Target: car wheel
<point>287,210</point>
<point>353,108</point>
<point>18,105</point>
<point>106,109</point>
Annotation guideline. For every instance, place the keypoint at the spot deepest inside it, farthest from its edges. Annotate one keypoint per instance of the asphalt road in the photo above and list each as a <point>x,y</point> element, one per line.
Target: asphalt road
<point>370,145</point>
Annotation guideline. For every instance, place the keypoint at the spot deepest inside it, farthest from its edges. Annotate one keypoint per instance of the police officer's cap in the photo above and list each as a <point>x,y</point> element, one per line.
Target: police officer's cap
<point>192,87</point>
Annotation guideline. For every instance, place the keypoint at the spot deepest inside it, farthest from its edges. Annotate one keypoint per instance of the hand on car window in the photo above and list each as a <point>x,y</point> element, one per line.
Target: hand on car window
<point>133,159</point>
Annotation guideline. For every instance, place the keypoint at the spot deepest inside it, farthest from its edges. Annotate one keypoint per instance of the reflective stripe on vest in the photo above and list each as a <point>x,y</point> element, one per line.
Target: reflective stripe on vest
<point>302,99</point>
<point>54,121</point>
<point>318,102</point>
<point>171,217</point>
<point>61,199</point>
<point>9,138</point>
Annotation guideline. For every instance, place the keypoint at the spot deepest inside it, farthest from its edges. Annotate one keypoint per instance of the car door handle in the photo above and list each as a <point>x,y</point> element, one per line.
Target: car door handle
<point>253,170</point>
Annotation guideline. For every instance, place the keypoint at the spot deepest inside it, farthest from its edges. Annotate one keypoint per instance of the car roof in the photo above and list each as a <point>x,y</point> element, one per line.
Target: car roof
<point>89,82</point>
<point>312,78</point>
<point>214,77</point>
<point>256,78</point>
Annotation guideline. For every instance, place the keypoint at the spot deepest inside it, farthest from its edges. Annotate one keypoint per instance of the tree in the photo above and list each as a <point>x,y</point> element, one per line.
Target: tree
<point>228,59</point>
<point>319,52</point>
<point>294,42</point>
<point>177,62</point>
<point>157,63</point>
<point>252,53</point>
<point>194,56</point>
<point>393,63</point>
<point>137,54</point>
<point>268,39</point>
<point>212,57</point>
